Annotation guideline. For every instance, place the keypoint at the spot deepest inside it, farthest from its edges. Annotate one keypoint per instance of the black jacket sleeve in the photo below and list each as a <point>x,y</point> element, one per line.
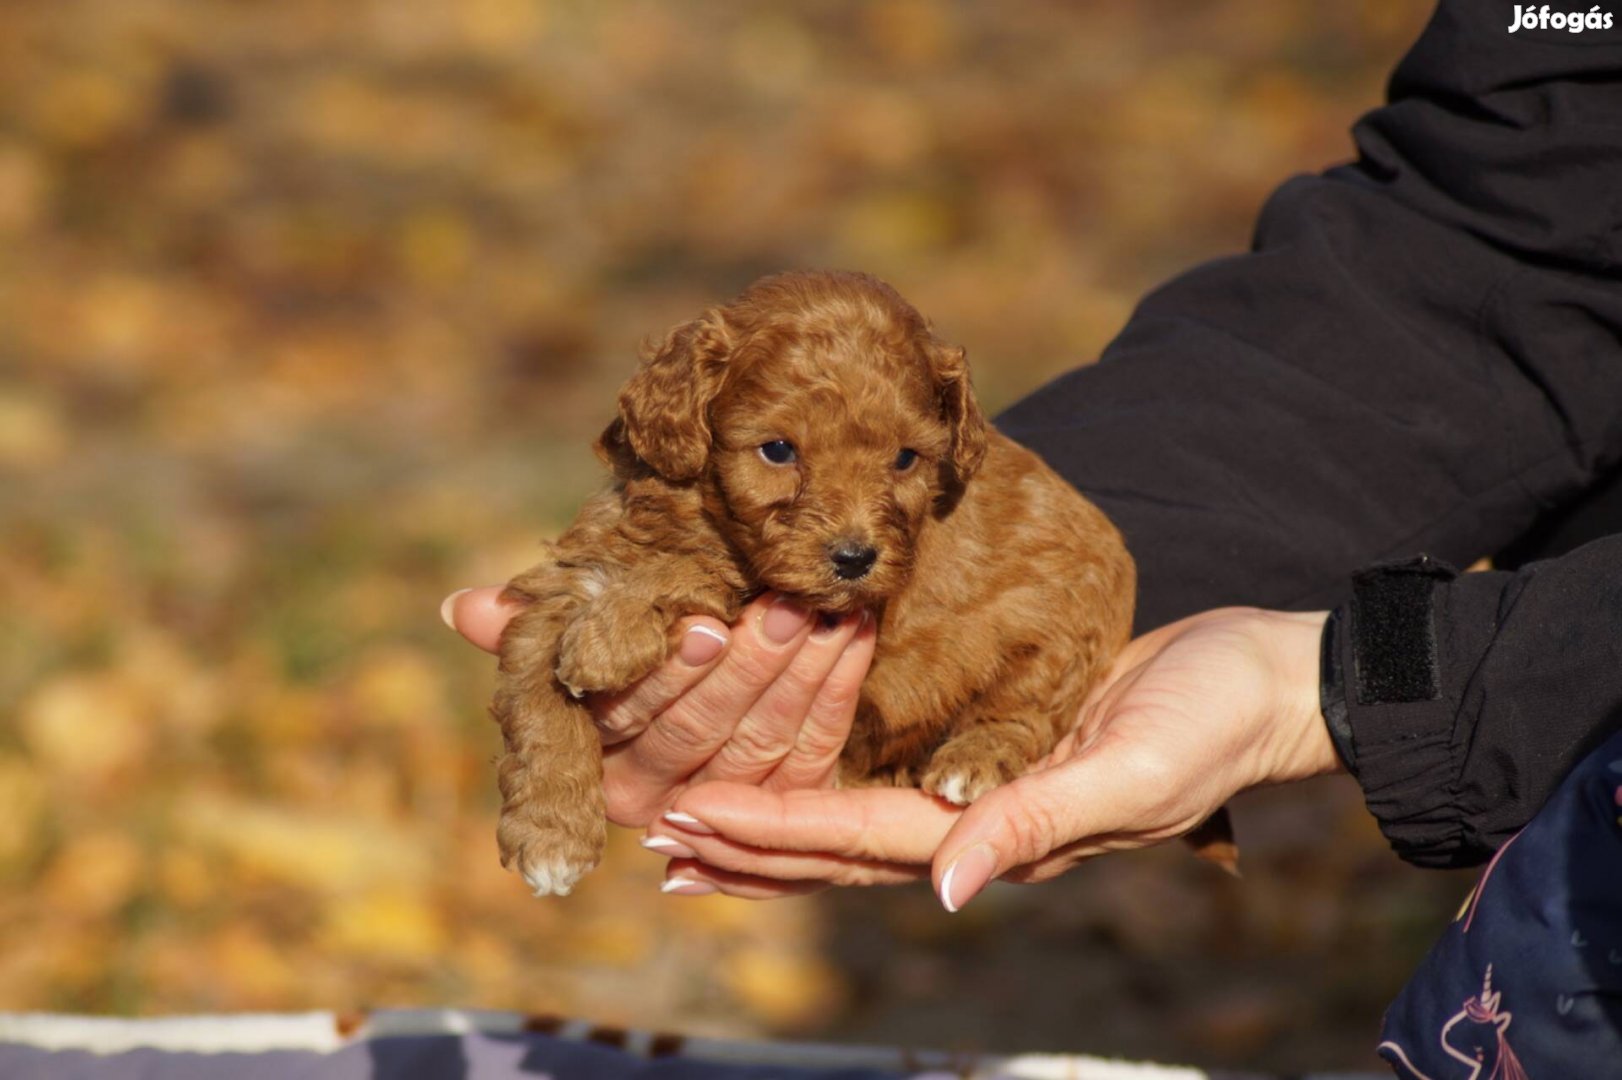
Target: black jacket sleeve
<point>1423,351</point>
<point>1459,702</point>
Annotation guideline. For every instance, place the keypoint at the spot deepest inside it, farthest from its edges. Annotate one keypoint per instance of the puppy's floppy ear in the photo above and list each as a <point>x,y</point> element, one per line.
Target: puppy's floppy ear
<point>664,407</point>
<point>959,407</point>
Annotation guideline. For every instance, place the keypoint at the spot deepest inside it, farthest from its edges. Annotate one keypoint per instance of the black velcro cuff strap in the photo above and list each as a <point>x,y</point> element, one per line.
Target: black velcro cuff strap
<point>1395,657</point>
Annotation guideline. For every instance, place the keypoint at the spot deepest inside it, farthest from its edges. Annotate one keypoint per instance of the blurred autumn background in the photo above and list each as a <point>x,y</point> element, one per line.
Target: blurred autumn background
<point>308,314</point>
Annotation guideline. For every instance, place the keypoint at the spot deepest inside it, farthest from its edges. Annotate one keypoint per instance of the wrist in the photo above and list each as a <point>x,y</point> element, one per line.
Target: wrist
<point>1303,745</point>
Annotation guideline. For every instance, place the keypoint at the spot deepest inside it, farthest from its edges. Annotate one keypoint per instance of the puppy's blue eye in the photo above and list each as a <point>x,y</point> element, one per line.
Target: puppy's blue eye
<point>778,452</point>
<point>904,460</point>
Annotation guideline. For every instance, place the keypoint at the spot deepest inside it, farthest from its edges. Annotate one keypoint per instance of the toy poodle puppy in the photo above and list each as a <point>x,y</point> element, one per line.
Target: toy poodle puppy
<point>815,438</point>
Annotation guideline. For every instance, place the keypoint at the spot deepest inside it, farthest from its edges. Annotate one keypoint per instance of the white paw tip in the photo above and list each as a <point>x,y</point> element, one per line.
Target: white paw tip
<point>554,877</point>
<point>954,789</point>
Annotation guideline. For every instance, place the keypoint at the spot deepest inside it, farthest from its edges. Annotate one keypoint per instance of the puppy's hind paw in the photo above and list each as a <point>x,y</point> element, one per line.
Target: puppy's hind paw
<point>959,781</point>
<point>954,788</point>
<point>554,851</point>
<point>554,876</point>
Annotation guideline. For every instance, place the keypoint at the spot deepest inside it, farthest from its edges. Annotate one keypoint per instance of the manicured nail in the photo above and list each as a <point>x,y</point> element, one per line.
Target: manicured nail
<point>782,621</point>
<point>688,822</point>
<point>665,845</point>
<point>447,607</point>
<point>966,876</point>
<point>700,645</point>
<point>684,886</point>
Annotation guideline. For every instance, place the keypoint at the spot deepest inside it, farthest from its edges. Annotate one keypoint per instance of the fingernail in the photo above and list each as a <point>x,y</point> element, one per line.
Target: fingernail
<point>664,845</point>
<point>685,886</point>
<point>828,624</point>
<point>447,607</point>
<point>966,876</point>
<point>688,822</point>
<point>700,645</point>
<point>782,621</point>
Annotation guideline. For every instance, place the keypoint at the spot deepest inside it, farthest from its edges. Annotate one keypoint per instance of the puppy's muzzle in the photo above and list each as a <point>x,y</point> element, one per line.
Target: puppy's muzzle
<point>851,559</point>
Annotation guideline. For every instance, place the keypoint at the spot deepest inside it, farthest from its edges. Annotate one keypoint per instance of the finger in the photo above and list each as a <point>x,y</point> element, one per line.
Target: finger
<point>627,714</point>
<point>890,825</point>
<point>686,878</point>
<point>821,738</point>
<point>480,615</point>
<point>719,853</point>
<point>1081,803</point>
<point>688,733</point>
<point>769,730</point>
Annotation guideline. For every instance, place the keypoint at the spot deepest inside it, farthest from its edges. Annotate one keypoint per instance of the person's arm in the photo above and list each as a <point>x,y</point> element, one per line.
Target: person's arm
<point>1421,353</point>
<point>1460,702</point>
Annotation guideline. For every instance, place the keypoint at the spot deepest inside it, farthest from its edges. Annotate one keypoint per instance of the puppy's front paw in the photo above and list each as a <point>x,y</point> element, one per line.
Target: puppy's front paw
<point>961,772</point>
<point>610,646</point>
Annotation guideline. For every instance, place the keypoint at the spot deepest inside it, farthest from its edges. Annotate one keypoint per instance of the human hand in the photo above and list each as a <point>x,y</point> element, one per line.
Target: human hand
<point>768,702</point>
<point>1189,715</point>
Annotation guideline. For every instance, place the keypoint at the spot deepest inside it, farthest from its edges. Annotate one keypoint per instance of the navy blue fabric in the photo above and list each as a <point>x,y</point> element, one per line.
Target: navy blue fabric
<point>1526,984</point>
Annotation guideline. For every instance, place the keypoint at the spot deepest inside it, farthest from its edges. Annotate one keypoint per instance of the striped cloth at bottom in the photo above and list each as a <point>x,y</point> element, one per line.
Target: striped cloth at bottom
<point>454,1044</point>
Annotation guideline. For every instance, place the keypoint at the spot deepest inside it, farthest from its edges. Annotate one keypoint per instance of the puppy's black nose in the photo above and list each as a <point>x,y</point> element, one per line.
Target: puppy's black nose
<point>852,560</point>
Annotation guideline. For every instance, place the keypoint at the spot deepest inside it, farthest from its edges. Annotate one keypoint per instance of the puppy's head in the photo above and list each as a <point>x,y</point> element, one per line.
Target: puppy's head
<point>825,424</point>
